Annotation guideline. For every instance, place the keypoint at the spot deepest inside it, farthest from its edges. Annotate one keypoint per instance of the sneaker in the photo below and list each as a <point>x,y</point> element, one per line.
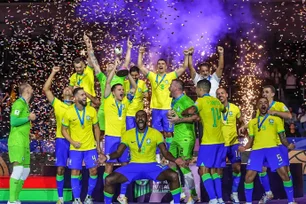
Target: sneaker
<point>122,199</point>
<point>88,200</point>
<point>183,196</point>
<point>234,198</point>
<point>265,198</point>
<point>60,201</point>
<point>18,202</point>
<point>214,201</point>
<point>192,199</point>
<point>77,201</point>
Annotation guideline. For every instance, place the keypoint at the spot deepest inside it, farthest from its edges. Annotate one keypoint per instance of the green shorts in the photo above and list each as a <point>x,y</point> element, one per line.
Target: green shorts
<point>182,148</point>
<point>19,154</point>
<point>101,118</point>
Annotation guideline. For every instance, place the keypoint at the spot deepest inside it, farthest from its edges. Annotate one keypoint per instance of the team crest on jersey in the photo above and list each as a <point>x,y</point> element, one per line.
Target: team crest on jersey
<point>139,89</point>
<point>87,117</point>
<point>271,121</point>
<point>166,82</point>
<point>178,109</point>
<point>230,113</point>
<point>148,141</point>
<point>17,112</point>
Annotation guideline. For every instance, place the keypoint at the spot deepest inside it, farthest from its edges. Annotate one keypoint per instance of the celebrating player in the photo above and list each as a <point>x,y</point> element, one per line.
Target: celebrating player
<point>83,76</point>
<point>18,142</point>
<point>160,99</point>
<point>264,131</point>
<point>77,127</point>
<point>61,144</point>
<point>205,71</point>
<point>184,133</point>
<point>137,102</point>
<point>142,142</point>
<point>115,107</point>
<point>209,109</point>
<point>229,131</point>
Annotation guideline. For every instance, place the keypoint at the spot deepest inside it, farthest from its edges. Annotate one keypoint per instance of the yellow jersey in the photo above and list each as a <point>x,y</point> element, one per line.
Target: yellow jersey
<point>147,153</point>
<point>83,134</point>
<point>59,111</point>
<point>276,106</point>
<point>270,127</point>
<point>160,98</point>
<point>137,102</point>
<point>115,116</point>
<point>86,81</point>
<point>210,109</point>
<point>229,128</point>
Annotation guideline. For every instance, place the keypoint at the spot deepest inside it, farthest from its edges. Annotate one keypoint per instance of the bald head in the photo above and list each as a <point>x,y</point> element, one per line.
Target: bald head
<point>222,95</point>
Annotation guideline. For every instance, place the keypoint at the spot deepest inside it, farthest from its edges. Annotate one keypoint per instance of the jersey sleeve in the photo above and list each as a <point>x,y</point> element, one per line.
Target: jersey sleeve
<point>196,79</point>
<point>215,77</point>
<point>144,87</point>
<point>238,113</point>
<point>257,113</point>
<point>221,107</point>
<point>159,138</point>
<point>151,76</point>
<point>251,128</point>
<point>72,80</point>
<point>279,125</point>
<point>55,102</point>
<point>17,108</point>
<point>172,75</point>
<point>101,78</point>
<point>284,107</point>
<point>95,117</point>
<point>66,119</point>
<point>124,138</point>
<point>198,105</point>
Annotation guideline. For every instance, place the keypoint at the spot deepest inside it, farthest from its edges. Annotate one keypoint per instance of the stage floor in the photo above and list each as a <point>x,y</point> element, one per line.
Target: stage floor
<point>298,200</point>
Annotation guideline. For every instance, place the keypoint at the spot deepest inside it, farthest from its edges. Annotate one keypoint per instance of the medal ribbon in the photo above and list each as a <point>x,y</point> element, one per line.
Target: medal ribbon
<point>209,78</point>
<point>82,120</point>
<point>142,140</point>
<point>207,94</point>
<point>259,124</point>
<point>119,108</point>
<point>226,115</point>
<point>174,100</point>
<point>79,79</point>
<point>159,82</point>
<point>273,102</point>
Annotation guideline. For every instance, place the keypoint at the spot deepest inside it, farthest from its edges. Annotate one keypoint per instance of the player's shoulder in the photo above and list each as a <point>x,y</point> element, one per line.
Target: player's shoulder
<point>19,102</point>
<point>73,75</point>
<point>130,132</point>
<point>281,106</point>
<point>235,107</point>
<point>153,131</point>
<point>253,121</point>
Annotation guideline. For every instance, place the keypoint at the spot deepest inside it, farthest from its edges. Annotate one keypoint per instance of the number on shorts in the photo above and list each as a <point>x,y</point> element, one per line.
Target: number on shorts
<point>94,157</point>
<point>238,154</point>
<point>279,157</point>
<point>216,115</point>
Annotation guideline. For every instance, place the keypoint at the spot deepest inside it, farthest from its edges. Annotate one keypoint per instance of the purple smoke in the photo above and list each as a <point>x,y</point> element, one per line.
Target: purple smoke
<point>168,26</point>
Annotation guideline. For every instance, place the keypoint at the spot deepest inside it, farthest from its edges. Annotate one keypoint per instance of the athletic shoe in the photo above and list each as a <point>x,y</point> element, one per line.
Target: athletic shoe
<point>192,199</point>
<point>77,201</point>
<point>122,199</point>
<point>88,200</point>
<point>60,201</point>
<point>234,198</point>
<point>266,198</point>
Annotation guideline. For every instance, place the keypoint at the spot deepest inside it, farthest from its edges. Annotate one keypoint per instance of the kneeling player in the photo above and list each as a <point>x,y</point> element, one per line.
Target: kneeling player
<point>264,131</point>
<point>142,142</point>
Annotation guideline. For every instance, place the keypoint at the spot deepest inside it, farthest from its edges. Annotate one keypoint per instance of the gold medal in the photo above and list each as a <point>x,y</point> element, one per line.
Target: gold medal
<point>120,118</point>
<point>139,150</point>
<point>83,127</point>
<point>224,122</point>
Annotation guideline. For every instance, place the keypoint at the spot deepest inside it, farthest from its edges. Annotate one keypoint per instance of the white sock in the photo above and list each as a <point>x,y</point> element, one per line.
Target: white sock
<point>220,200</point>
<point>121,195</point>
<point>61,198</point>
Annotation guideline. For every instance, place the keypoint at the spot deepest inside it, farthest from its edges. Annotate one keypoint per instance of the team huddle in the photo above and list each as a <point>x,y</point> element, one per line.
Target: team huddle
<point>123,124</point>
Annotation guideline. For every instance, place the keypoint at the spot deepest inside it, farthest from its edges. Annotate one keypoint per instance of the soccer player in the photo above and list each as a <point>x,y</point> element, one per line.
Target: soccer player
<point>184,134</point>
<point>212,144</point>
<point>142,142</point>
<point>80,127</point>
<point>205,71</point>
<point>229,131</point>
<point>19,142</point>
<point>61,144</point>
<point>115,107</point>
<point>137,102</point>
<point>83,76</point>
<point>160,99</point>
<point>279,109</point>
<point>264,131</point>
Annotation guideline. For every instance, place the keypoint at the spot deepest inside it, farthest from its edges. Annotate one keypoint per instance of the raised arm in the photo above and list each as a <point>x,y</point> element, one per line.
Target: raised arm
<point>190,63</point>
<point>47,85</point>
<point>143,70</point>
<point>108,87</point>
<point>133,84</point>
<point>88,47</point>
<point>94,100</point>
<point>220,68</point>
<point>182,69</point>
<point>128,53</point>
